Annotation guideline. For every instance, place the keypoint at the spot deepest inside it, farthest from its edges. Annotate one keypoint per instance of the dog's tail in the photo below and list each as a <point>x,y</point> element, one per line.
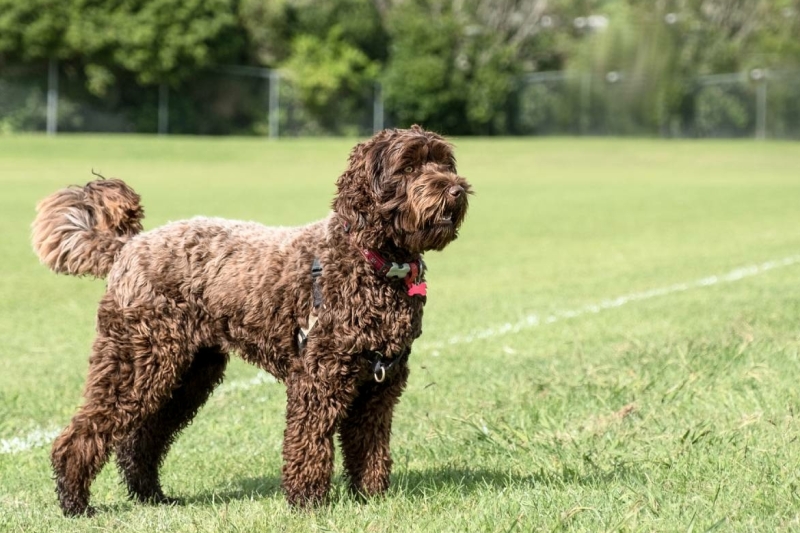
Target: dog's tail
<point>80,230</point>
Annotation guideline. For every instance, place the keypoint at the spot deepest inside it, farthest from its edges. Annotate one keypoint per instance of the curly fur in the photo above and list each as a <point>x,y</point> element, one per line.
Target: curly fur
<point>79,230</point>
<point>181,297</point>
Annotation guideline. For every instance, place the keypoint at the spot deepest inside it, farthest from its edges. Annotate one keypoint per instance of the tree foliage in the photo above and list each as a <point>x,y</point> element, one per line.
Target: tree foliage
<point>34,29</point>
<point>454,65</point>
<point>154,40</point>
<point>330,75</point>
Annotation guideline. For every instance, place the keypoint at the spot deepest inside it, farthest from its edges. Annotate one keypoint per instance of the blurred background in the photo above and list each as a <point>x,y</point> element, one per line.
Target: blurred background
<point>658,68</point>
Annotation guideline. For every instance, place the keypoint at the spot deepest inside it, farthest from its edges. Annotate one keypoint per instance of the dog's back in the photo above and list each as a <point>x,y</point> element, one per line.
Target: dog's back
<point>211,262</point>
<point>215,263</point>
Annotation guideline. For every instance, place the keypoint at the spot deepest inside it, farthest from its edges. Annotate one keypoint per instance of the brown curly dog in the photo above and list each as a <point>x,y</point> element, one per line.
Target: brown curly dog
<point>331,309</point>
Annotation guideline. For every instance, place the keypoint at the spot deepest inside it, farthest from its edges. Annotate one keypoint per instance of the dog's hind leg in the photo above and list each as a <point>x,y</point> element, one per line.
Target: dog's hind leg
<point>78,455</point>
<point>141,453</point>
<point>130,377</point>
<point>365,432</point>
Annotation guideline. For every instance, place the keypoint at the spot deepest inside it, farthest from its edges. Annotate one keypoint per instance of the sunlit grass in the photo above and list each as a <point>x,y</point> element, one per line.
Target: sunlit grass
<point>672,413</point>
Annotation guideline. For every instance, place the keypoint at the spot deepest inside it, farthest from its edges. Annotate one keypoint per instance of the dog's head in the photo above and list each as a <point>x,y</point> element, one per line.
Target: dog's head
<point>401,189</point>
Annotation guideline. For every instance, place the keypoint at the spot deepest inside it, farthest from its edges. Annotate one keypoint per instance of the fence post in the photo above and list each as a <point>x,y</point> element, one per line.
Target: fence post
<point>760,77</point>
<point>52,96</point>
<point>163,109</point>
<point>761,106</point>
<point>586,101</point>
<point>377,109</point>
<point>274,109</point>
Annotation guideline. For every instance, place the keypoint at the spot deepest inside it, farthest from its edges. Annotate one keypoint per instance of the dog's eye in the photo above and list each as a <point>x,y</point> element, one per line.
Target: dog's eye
<point>408,170</point>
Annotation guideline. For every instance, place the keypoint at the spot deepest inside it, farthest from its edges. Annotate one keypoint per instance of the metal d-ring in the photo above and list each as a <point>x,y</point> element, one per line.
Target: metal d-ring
<point>379,369</point>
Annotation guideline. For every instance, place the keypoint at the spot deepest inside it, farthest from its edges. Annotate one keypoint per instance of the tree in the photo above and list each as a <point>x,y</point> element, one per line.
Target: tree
<point>329,52</point>
<point>154,40</point>
<point>425,78</point>
<point>33,30</point>
<point>332,78</point>
<point>455,64</point>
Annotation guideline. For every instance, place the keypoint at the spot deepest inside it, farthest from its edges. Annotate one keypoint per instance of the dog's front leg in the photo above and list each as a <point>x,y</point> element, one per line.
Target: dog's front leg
<point>365,432</point>
<point>314,406</point>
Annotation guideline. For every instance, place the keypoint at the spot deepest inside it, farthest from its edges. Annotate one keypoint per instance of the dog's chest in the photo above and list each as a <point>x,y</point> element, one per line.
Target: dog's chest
<point>386,319</point>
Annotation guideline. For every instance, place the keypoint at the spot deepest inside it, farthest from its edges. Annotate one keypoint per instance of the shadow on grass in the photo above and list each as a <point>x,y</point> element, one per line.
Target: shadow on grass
<point>423,483</point>
<point>416,483</point>
<point>248,488</point>
<point>469,480</point>
<point>409,483</point>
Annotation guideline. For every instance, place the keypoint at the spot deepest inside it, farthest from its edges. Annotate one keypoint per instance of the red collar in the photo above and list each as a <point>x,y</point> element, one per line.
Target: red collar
<point>408,272</point>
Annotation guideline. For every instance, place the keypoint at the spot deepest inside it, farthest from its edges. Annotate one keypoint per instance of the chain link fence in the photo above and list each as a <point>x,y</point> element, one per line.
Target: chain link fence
<point>232,100</point>
<point>757,104</point>
<point>23,98</point>
<point>237,100</point>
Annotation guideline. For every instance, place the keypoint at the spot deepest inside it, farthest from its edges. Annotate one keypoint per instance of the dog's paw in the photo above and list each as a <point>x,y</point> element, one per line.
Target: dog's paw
<point>161,499</point>
<point>154,498</point>
<point>76,512</point>
<point>306,501</point>
<point>363,491</point>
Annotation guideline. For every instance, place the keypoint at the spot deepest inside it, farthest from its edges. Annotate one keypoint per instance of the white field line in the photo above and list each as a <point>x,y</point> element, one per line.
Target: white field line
<point>44,436</point>
<point>41,437</point>
<point>532,321</point>
<point>35,439</point>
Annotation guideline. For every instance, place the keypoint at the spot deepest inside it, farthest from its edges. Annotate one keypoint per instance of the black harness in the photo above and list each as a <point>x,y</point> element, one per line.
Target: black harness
<point>379,363</point>
<point>381,366</point>
<point>316,303</point>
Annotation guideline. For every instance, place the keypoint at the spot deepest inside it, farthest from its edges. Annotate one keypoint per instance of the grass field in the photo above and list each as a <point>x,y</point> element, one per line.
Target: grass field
<point>580,370</point>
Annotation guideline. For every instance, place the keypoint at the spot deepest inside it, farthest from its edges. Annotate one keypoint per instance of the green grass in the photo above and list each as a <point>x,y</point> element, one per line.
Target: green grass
<point>673,413</point>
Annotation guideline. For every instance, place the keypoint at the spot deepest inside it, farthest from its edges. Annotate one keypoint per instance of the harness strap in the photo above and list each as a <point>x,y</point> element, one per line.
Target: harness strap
<point>316,290</point>
<point>380,366</point>
<point>316,303</point>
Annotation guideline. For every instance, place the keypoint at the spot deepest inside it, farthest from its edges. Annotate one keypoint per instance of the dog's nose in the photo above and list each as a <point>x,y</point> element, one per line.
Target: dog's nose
<point>455,191</point>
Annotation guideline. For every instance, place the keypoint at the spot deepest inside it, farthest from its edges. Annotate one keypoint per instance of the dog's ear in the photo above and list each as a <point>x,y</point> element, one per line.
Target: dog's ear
<point>360,185</point>
<point>377,163</point>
